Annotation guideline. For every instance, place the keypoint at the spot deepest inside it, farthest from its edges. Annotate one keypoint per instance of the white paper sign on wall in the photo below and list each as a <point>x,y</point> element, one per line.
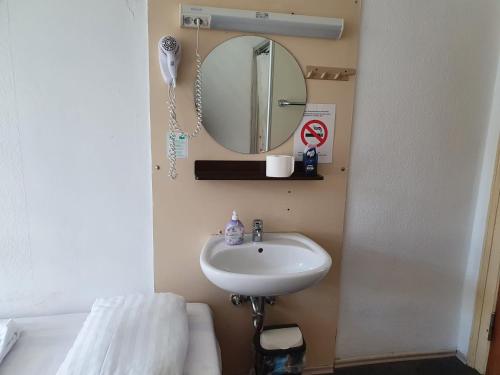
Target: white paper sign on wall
<point>318,128</point>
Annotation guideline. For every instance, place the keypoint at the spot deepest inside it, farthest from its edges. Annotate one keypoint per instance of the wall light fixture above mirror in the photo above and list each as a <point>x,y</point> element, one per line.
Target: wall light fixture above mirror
<point>253,94</point>
<point>261,22</point>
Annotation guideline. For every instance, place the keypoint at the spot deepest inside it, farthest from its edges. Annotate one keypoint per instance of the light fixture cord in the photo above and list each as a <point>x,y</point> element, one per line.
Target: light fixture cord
<point>197,85</point>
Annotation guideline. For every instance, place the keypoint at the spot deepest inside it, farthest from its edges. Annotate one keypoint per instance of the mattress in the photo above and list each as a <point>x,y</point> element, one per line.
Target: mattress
<point>45,341</point>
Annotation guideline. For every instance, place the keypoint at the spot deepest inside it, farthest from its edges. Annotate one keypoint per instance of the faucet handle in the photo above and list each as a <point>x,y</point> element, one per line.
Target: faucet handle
<point>258,224</point>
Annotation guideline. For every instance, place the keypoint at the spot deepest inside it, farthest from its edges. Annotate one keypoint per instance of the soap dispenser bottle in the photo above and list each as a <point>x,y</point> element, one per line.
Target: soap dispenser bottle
<point>235,231</point>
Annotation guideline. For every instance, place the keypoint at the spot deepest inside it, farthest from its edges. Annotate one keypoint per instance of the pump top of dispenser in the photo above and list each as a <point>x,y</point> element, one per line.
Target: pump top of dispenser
<point>234,217</point>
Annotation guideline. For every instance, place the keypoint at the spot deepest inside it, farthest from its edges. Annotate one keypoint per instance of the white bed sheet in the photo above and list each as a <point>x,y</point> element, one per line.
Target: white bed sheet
<point>45,340</point>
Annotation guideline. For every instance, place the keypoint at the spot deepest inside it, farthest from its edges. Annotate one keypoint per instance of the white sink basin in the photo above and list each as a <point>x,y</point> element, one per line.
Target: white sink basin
<point>282,263</point>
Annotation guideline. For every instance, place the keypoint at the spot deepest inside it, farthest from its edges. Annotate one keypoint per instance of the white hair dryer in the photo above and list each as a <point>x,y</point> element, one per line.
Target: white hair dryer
<point>169,51</point>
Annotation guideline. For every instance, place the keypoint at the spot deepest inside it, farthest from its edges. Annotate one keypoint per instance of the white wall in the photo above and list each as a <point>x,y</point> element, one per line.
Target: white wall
<point>425,83</point>
<point>480,222</point>
<point>75,170</point>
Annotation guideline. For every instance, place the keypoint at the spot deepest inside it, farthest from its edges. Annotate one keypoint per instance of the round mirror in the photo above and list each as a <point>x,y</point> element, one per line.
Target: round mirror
<point>253,94</point>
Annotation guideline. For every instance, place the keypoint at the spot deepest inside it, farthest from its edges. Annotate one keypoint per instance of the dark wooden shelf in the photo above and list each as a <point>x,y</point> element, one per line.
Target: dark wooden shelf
<point>243,170</point>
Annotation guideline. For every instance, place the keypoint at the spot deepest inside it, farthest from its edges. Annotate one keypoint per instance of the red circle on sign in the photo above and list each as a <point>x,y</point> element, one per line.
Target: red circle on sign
<point>307,127</point>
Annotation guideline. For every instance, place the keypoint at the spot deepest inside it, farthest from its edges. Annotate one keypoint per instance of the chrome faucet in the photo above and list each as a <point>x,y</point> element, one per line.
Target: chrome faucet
<point>257,230</point>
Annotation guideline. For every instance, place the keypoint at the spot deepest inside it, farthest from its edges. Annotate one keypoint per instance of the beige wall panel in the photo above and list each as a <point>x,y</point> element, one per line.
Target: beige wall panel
<point>186,211</point>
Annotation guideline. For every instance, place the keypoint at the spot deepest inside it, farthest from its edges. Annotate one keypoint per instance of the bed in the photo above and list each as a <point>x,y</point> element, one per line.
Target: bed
<point>45,341</point>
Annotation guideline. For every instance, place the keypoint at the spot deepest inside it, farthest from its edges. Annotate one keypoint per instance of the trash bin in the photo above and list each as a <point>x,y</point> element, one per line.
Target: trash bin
<point>279,349</point>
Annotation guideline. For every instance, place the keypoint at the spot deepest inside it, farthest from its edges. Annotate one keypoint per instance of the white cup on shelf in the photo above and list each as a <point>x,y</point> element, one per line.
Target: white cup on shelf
<point>281,166</point>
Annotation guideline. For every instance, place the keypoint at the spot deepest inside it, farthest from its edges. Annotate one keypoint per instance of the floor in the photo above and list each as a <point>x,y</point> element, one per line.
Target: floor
<point>438,366</point>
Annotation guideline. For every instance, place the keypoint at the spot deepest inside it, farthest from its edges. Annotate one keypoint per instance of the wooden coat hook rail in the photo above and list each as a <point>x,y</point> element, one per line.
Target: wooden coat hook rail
<point>329,73</point>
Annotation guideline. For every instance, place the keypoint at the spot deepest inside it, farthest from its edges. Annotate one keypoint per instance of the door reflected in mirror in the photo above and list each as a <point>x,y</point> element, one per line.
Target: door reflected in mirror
<point>253,94</point>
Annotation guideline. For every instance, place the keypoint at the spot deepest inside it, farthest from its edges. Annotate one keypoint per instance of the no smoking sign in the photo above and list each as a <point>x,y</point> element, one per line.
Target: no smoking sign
<point>314,132</point>
<point>317,128</point>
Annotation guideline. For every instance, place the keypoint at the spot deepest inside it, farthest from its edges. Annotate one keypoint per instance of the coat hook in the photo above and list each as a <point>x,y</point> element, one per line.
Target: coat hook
<point>329,73</point>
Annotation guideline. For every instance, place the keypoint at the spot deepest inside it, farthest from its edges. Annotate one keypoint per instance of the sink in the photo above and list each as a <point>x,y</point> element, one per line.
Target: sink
<point>282,263</point>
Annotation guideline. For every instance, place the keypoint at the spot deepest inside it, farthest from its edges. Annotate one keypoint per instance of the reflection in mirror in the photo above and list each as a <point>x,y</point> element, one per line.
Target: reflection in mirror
<point>253,94</point>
